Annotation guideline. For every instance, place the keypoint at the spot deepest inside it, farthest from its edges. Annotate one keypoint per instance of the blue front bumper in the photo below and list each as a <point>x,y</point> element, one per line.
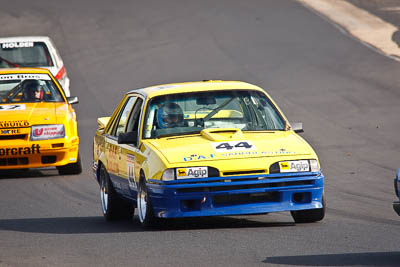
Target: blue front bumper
<point>235,195</point>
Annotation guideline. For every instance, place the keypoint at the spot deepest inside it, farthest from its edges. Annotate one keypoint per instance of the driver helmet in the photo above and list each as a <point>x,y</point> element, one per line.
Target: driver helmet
<point>34,90</point>
<point>169,115</point>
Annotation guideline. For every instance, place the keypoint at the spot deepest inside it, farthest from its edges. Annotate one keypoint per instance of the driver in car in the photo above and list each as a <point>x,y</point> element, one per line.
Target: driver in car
<point>33,91</point>
<point>170,115</point>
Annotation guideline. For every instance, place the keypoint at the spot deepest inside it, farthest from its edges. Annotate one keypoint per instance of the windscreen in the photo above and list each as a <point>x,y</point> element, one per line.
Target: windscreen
<point>25,88</point>
<point>24,54</point>
<point>186,113</point>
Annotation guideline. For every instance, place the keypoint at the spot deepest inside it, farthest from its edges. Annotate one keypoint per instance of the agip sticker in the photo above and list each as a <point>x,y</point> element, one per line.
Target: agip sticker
<point>294,166</point>
<point>193,172</point>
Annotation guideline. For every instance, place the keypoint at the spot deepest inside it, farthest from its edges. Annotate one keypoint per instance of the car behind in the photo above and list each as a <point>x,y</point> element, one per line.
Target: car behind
<point>38,126</point>
<point>34,51</point>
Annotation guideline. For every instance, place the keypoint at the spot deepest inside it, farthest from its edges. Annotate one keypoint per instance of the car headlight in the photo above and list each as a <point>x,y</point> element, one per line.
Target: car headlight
<point>168,175</point>
<point>314,167</point>
<point>188,173</point>
<point>307,165</point>
<point>44,132</point>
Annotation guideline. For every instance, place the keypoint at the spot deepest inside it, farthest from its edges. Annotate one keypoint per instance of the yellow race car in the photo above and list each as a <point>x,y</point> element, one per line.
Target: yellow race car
<point>38,125</point>
<point>204,149</point>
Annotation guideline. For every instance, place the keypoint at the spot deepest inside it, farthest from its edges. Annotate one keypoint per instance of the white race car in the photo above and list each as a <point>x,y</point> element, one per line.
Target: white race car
<point>34,51</point>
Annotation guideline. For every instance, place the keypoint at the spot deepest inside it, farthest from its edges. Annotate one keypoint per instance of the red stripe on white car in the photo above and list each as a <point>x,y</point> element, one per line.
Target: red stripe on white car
<point>60,73</point>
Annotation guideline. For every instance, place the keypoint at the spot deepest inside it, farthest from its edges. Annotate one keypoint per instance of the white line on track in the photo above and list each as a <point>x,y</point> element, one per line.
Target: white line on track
<point>391,9</point>
<point>369,29</point>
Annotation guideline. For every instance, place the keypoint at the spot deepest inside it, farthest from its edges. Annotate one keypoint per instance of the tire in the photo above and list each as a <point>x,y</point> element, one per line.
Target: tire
<point>112,207</point>
<point>72,168</point>
<point>309,216</point>
<point>145,209</point>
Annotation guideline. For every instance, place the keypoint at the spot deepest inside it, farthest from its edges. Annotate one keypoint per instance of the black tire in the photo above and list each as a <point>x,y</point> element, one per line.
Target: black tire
<point>112,207</point>
<point>72,168</point>
<point>309,216</point>
<point>145,209</point>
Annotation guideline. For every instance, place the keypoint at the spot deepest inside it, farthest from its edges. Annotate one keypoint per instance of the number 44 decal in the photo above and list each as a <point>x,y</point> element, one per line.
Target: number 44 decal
<point>233,146</point>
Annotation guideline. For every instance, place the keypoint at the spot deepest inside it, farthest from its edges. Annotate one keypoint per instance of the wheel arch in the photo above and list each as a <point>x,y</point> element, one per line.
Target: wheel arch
<point>99,164</point>
<point>142,176</point>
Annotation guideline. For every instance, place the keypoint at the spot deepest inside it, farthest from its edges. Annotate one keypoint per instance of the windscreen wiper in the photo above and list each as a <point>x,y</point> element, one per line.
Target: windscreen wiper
<point>9,62</point>
<point>215,111</point>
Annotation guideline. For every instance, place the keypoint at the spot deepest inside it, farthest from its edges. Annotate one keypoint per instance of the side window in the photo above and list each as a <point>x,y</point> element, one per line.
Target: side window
<point>134,118</point>
<point>119,126</point>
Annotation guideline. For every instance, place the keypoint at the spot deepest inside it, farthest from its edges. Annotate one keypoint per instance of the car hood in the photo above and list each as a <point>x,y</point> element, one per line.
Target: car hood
<point>226,146</point>
<point>27,114</point>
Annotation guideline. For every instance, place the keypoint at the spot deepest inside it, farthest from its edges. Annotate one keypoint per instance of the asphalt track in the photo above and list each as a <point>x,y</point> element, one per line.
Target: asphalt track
<point>346,95</point>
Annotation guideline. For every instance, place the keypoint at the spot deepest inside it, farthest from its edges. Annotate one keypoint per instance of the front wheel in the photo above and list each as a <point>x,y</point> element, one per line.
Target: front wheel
<point>145,209</point>
<point>112,206</point>
<point>308,216</point>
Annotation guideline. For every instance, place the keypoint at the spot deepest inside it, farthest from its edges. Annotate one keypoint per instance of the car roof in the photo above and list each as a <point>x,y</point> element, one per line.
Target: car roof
<point>187,87</point>
<point>25,39</point>
<point>24,70</point>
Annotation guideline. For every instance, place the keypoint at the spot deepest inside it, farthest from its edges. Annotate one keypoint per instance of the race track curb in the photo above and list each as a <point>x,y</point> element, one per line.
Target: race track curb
<point>361,24</point>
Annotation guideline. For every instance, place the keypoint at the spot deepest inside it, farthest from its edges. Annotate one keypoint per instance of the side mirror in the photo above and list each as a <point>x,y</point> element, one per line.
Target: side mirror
<point>72,100</point>
<point>297,127</point>
<point>128,138</point>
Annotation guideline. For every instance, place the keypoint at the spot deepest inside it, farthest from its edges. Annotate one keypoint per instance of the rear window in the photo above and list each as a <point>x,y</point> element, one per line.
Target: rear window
<point>24,54</point>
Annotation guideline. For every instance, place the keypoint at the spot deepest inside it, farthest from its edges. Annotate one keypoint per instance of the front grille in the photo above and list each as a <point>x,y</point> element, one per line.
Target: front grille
<point>49,159</point>
<point>246,198</point>
<point>13,137</point>
<point>240,187</point>
<point>245,172</point>
<point>14,161</point>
